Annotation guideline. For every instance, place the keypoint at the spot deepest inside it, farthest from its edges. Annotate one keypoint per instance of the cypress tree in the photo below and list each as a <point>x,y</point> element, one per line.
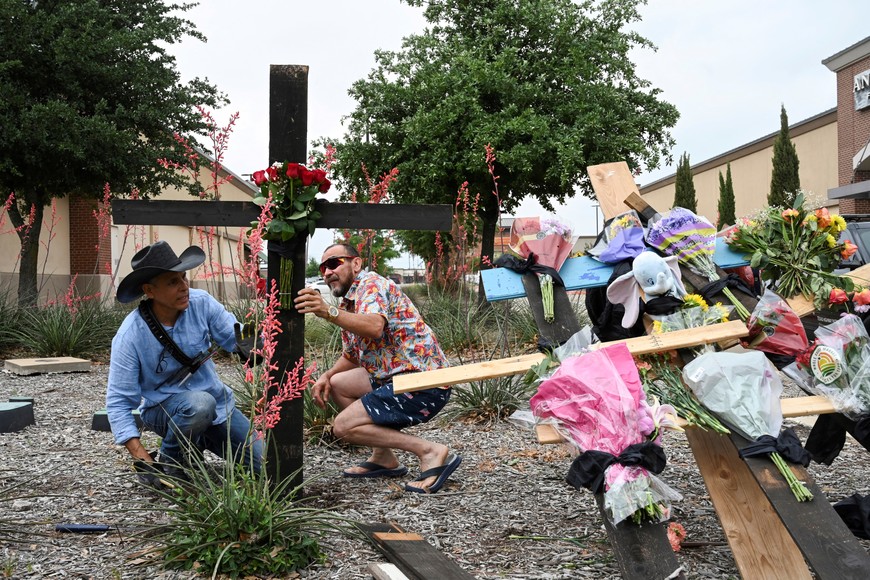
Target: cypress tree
<point>726,200</point>
<point>684,194</point>
<point>784,182</point>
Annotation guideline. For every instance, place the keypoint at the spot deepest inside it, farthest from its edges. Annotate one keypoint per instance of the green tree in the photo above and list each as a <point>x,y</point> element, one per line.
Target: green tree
<point>726,200</point>
<point>784,181</point>
<point>89,96</point>
<point>312,268</point>
<point>547,83</point>
<point>684,186</point>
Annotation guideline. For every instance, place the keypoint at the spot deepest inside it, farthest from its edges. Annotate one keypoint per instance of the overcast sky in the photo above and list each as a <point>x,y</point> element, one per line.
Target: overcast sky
<point>727,66</point>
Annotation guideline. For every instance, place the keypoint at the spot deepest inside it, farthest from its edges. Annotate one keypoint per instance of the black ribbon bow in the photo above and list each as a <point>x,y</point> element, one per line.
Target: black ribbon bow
<point>786,444</point>
<point>530,264</point>
<point>587,470</point>
<point>730,281</point>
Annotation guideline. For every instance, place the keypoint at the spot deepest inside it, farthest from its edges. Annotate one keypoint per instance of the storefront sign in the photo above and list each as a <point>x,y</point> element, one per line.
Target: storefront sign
<point>862,90</point>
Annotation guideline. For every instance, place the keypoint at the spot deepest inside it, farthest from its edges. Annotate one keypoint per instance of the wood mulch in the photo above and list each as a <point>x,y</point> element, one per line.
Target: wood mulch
<point>506,513</point>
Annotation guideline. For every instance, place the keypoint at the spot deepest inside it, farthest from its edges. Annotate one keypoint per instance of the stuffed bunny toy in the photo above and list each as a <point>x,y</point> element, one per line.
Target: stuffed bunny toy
<point>654,276</point>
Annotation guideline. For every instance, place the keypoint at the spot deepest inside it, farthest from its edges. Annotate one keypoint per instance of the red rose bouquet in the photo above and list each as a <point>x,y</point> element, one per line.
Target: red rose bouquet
<point>775,328</point>
<point>293,188</point>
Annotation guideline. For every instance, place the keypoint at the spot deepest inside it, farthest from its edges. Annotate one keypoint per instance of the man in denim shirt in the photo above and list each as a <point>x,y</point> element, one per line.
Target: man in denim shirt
<point>190,411</point>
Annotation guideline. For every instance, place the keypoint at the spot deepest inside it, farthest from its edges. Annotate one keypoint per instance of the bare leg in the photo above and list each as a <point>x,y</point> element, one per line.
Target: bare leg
<point>355,426</point>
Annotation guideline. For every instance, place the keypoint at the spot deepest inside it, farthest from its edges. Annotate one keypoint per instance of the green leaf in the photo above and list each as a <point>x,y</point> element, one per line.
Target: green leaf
<point>296,215</point>
<point>755,262</point>
<point>260,200</point>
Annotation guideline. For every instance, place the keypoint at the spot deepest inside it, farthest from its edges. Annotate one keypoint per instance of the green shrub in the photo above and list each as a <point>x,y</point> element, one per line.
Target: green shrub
<point>231,521</point>
<point>58,330</point>
<point>487,401</point>
<point>8,318</point>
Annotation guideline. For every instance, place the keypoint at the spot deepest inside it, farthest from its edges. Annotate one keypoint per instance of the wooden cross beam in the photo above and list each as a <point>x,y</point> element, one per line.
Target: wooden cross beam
<point>287,142</point>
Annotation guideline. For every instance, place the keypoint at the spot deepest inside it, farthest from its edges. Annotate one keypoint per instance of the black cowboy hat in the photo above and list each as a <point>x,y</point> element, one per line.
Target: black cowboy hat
<point>153,260</point>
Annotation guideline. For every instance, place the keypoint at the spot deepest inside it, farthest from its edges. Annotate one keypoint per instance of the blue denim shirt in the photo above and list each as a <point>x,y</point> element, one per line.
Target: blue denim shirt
<point>142,373</point>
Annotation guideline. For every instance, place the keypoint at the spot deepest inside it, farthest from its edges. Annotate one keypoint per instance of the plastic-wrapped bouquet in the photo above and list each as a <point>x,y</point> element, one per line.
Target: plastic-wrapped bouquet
<point>599,401</point>
<point>692,239</point>
<point>837,366</point>
<point>694,312</point>
<point>743,389</point>
<point>775,328</point>
<point>550,242</point>
<point>623,237</point>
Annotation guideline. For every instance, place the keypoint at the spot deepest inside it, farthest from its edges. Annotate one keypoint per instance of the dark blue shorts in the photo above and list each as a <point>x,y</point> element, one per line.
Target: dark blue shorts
<point>405,409</point>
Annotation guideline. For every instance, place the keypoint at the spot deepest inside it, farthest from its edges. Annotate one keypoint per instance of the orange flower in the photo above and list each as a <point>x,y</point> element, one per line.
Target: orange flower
<point>676,535</point>
<point>837,296</point>
<point>862,300</point>
<point>823,217</point>
<point>848,249</point>
<point>789,214</point>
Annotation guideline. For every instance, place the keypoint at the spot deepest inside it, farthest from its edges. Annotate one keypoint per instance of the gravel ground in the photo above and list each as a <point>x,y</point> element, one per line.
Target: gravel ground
<point>506,512</point>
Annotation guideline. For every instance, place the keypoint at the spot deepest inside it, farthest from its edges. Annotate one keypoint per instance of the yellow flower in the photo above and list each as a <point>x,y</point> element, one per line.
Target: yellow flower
<point>695,300</point>
<point>718,313</point>
<point>657,327</point>
<point>809,218</point>
<point>839,222</point>
<point>831,240</point>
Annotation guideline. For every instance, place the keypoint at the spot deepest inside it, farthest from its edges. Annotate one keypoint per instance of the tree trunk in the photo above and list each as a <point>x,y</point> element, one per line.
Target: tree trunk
<point>489,222</point>
<point>28,235</point>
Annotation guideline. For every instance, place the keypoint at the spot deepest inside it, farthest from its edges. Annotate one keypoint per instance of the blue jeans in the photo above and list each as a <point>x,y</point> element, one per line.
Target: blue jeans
<point>189,416</point>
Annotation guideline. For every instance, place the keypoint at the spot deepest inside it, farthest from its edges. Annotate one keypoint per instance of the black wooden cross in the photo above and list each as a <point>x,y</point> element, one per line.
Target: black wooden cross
<point>288,119</point>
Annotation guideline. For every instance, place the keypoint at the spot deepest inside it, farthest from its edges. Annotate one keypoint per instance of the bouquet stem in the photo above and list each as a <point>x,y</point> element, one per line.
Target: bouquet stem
<point>285,283</point>
<point>797,487</point>
<point>546,282</point>
<point>742,312</point>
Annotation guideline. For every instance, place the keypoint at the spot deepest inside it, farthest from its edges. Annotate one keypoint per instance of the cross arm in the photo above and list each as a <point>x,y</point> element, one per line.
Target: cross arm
<point>398,216</point>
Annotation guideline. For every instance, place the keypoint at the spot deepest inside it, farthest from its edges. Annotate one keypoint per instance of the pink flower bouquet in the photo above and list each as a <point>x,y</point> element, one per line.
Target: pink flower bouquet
<point>599,401</point>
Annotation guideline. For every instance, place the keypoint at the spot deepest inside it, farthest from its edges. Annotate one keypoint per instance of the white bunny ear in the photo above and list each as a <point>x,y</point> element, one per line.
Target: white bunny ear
<point>624,290</point>
<point>674,264</point>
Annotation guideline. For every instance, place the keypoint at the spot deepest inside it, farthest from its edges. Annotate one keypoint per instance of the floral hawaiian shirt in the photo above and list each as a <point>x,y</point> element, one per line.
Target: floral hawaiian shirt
<point>408,344</point>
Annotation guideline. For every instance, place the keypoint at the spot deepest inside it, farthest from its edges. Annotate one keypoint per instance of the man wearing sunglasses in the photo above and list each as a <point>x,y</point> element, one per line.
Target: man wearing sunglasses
<point>382,335</point>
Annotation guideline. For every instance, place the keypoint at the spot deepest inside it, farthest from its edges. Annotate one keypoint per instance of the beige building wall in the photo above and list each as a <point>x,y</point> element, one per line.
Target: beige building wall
<point>53,269</point>
<point>815,140</point>
<point>55,276</point>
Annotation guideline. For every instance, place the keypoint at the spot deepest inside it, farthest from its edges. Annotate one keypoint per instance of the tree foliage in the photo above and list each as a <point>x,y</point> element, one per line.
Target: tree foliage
<point>684,193</point>
<point>726,200</point>
<point>89,96</point>
<point>548,83</point>
<point>784,181</point>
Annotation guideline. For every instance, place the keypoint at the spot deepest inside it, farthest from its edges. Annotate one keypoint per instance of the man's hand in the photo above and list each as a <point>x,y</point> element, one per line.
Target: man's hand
<point>310,301</point>
<point>149,473</point>
<point>247,340</point>
<point>320,391</point>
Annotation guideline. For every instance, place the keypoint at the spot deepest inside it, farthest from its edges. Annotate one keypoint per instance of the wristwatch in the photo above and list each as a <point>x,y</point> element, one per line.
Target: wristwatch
<point>333,313</point>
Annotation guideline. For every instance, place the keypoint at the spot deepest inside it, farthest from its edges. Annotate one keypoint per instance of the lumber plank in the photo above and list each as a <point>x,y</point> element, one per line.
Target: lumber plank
<point>449,376</point>
<point>612,183</point>
<point>412,554</point>
<point>642,552</point>
<point>762,547</point>
<point>826,542</point>
<point>804,306</point>
<point>385,572</point>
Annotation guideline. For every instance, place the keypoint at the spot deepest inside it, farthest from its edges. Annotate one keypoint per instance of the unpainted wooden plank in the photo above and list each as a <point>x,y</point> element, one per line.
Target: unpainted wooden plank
<point>385,572</point>
<point>804,306</point>
<point>826,542</point>
<point>612,183</point>
<point>410,382</point>
<point>762,547</point>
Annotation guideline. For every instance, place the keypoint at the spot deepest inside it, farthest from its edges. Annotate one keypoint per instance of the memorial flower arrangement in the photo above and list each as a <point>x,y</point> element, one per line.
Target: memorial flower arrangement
<point>731,386</point>
<point>547,243</point>
<point>598,400</point>
<point>837,365</point>
<point>693,313</point>
<point>289,190</point>
<point>775,328</point>
<point>293,189</point>
<point>797,249</point>
<point>692,239</point>
<point>624,238</point>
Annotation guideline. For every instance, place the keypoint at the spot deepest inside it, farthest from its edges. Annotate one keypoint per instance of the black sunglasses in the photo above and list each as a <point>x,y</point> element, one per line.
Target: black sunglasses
<point>333,263</point>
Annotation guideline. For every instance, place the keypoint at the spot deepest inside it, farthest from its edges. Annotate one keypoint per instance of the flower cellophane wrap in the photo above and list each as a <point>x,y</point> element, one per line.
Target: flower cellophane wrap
<point>775,328</point>
<point>550,243</point>
<point>624,238</point>
<point>742,389</point>
<point>837,366</point>
<point>690,237</point>
<point>599,401</point>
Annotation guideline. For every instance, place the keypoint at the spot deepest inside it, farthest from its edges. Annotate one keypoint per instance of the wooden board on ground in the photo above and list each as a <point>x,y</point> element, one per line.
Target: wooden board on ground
<point>762,547</point>
<point>413,555</point>
<point>516,365</point>
<point>826,542</point>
